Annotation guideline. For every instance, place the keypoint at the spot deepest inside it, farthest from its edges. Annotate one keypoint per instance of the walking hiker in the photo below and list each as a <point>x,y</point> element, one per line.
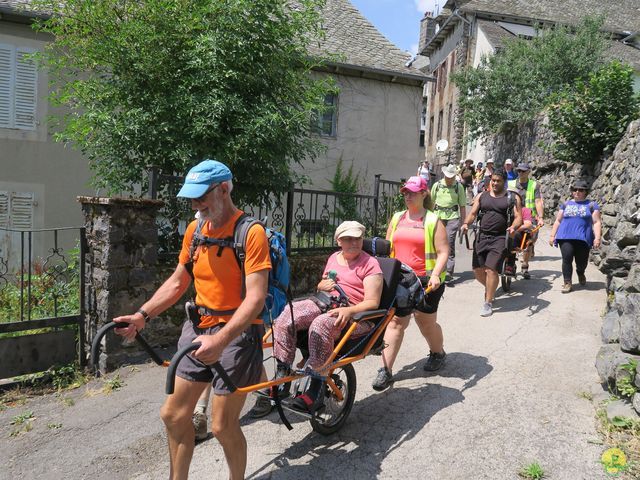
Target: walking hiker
<point>424,171</point>
<point>419,239</point>
<point>576,230</point>
<point>227,324</point>
<point>508,167</point>
<point>466,177</point>
<point>450,200</point>
<point>499,213</point>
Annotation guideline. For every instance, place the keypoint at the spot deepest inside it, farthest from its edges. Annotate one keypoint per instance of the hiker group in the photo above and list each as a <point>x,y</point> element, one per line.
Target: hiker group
<point>237,267</point>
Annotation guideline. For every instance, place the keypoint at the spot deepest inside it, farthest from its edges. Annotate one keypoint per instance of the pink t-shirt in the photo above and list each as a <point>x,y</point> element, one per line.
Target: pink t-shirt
<point>351,278</point>
<point>408,244</point>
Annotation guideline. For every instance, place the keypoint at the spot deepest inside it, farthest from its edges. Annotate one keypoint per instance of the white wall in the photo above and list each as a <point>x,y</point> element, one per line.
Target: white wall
<point>378,131</point>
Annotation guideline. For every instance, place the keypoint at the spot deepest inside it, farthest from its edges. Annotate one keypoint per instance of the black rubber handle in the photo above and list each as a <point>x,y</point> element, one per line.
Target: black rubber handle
<point>171,371</point>
<point>95,345</point>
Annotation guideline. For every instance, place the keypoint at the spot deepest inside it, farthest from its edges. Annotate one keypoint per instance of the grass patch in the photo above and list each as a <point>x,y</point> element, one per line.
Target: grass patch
<point>113,384</point>
<point>22,423</point>
<point>586,395</point>
<point>533,471</point>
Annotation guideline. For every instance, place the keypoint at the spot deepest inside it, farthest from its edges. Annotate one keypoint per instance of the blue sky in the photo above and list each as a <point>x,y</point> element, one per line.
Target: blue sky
<point>398,20</point>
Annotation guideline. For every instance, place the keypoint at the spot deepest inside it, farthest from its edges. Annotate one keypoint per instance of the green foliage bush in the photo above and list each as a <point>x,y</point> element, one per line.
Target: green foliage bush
<point>168,82</point>
<point>591,117</point>
<point>347,182</point>
<point>515,84</point>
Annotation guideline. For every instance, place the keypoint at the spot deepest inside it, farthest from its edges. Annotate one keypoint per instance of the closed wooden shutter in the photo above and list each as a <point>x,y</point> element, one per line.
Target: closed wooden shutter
<point>6,85</point>
<point>18,88</point>
<point>4,209</point>
<point>21,210</point>
<point>26,83</point>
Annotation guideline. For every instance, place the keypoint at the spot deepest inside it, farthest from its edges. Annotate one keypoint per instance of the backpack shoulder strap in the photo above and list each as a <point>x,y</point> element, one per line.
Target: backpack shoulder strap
<point>240,233</point>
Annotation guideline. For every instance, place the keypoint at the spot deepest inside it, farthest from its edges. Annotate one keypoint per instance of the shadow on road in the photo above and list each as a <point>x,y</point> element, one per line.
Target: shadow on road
<point>378,425</point>
<point>525,294</point>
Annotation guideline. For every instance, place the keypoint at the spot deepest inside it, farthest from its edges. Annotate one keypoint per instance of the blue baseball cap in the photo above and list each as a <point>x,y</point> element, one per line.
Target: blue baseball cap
<point>200,177</point>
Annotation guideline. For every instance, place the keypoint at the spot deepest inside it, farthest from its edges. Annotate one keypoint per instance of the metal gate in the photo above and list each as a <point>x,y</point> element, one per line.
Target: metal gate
<point>42,282</point>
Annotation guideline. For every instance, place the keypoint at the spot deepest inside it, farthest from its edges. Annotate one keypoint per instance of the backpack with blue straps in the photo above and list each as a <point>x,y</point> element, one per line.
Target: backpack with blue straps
<point>278,290</point>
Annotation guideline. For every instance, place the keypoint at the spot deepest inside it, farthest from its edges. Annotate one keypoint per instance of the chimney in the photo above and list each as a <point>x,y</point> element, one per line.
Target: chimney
<point>427,30</point>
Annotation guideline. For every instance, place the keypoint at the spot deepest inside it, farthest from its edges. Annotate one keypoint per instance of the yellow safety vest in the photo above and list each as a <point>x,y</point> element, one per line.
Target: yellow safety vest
<point>430,255</point>
<point>529,198</point>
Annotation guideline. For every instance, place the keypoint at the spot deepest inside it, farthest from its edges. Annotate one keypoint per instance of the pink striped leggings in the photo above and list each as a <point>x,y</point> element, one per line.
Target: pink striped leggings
<point>322,333</point>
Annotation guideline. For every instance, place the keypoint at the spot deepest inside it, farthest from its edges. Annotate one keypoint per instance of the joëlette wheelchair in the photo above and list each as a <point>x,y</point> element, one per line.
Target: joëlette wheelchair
<point>331,409</point>
<point>514,251</point>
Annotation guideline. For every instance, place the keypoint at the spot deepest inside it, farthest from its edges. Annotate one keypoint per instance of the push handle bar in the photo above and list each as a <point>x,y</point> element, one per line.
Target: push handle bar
<point>171,371</point>
<point>95,345</point>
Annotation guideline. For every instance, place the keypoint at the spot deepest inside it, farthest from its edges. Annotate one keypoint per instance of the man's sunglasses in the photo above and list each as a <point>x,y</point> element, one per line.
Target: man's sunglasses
<point>201,198</point>
<point>579,190</point>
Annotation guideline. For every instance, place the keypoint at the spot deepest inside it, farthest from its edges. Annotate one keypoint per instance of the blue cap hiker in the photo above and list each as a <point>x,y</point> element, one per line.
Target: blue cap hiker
<point>200,177</point>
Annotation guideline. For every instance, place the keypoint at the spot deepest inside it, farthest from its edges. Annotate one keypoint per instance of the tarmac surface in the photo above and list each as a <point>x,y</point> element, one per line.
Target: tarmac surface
<point>515,390</point>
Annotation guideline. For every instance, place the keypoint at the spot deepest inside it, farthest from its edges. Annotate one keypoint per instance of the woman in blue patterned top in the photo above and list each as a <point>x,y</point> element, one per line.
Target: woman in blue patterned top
<point>576,230</point>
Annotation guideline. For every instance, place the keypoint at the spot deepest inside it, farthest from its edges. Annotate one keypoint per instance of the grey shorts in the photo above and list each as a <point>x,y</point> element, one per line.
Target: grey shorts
<point>242,359</point>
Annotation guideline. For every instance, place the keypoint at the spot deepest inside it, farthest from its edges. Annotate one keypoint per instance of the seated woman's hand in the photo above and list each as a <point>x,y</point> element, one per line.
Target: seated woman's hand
<point>342,314</point>
<point>326,285</point>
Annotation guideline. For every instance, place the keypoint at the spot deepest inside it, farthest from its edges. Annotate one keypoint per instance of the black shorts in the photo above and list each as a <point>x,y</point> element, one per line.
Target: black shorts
<point>242,359</point>
<point>430,302</point>
<point>489,251</point>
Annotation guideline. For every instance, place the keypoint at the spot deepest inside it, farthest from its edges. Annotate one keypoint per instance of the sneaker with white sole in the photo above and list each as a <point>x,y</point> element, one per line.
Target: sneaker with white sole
<point>487,310</point>
<point>383,380</point>
<point>200,425</point>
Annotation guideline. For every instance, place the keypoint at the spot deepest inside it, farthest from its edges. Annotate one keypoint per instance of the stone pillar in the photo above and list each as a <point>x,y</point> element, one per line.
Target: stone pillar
<point>427,30</point>
<point>122,253</point>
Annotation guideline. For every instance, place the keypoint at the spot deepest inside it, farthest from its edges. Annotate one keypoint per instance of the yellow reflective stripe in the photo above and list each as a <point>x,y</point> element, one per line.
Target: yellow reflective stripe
<point>430,256</point>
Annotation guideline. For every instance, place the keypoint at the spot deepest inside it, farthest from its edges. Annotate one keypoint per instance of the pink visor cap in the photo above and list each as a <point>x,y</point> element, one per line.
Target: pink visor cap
<point>414,184</point>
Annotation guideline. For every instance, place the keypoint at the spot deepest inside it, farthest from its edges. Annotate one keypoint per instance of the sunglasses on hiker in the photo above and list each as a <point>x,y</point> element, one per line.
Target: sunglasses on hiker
<point>579,190</point>
<point>202,197</point>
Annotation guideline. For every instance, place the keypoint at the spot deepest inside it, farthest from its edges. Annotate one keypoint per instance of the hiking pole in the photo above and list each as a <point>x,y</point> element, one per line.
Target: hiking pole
<point>95,345</point>
<point>171,371</point>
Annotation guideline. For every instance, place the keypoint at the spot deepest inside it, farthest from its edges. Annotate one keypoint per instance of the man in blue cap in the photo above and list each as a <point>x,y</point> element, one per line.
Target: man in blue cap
<point>226,324</point>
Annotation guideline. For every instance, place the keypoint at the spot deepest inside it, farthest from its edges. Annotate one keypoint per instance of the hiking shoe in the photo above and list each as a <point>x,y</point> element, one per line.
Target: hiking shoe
<point>525,272</point>
<point>566,288</point>
<point>261,408</point>
<point>200,425</point>
<point>383,380</point>
<point>486,310</point>
<point>435,361</point>
<point>582,280</point>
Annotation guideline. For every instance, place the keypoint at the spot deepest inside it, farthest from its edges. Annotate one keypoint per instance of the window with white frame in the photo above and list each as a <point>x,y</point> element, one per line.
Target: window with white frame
<point>16,210</point>
<point>325,123</point>
<point>18,88</point>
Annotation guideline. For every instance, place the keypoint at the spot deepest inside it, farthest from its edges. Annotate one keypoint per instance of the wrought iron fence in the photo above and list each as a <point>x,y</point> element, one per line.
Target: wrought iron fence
<point>307,217</point>
<point>41,295</point>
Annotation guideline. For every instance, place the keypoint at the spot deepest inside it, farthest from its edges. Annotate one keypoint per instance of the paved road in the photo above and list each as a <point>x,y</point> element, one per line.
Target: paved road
<point>510,394</point>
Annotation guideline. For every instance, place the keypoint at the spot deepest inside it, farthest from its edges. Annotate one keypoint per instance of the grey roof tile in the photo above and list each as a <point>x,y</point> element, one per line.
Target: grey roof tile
<point>350,35</point>
<point>620,15</point>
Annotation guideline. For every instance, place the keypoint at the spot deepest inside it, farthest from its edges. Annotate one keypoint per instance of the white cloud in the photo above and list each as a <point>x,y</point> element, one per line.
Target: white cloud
<point>427,5</point>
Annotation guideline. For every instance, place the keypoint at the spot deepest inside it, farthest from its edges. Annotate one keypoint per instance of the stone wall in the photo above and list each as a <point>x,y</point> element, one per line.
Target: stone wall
<point>618,186</point>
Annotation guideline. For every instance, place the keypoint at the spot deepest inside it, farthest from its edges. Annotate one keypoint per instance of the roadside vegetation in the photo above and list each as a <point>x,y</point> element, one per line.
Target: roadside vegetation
<point>562,71</point>
<point>158,84</point>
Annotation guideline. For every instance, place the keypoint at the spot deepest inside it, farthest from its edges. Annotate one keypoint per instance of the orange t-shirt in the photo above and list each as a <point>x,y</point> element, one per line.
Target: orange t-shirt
<point>217,279</point>
<point>408,244</point>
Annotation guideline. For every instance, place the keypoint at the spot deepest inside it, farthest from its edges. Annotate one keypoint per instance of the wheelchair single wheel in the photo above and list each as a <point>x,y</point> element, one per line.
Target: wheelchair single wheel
<point>505,281</point>
<point>331,417</point>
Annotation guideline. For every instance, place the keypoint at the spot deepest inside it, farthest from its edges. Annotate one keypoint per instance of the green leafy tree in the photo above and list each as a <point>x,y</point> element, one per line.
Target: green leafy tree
<point>515,84</point>
<point>592,116</point>
<point>168,82</point>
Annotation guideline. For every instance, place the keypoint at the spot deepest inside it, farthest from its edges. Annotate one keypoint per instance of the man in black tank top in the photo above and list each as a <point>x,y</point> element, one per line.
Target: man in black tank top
<point>500,213</point>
